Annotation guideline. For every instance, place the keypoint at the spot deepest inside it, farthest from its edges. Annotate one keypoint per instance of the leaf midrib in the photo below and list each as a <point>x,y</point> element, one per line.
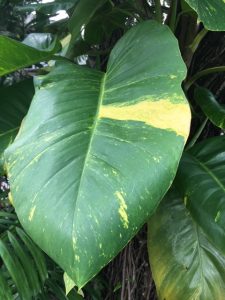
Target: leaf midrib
<point>100,100</point>
<point>209,172</point>
<point>101,94</point>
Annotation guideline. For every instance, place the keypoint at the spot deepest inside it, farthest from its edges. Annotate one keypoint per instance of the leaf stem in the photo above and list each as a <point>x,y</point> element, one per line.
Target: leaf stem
<point>199,37</point>
<point>202,73</point>
<point>158,11</point>
<point>197,135</point>
<point>173,15</point>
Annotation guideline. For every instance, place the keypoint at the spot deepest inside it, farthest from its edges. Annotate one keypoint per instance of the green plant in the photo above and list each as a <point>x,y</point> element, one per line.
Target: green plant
<point>25,271</point>
<point>100,145</point>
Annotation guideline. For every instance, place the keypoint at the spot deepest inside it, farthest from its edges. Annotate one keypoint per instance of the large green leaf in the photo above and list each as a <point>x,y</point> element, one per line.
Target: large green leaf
<point>101,149</point>
<point>184,263</point>
<point>14,104</point>
<point>201,180</point>
<point>210,12</point>
<point>212,109</point>
<point>15,55</point>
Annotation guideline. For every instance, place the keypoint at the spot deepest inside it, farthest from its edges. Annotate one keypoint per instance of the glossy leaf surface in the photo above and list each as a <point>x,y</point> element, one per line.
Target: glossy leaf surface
<point>212,109</point>
<point>15,55</point>
<point>201,180</point>
<point>210,12</point>
<point>184,263</point>
<point>102,152</point>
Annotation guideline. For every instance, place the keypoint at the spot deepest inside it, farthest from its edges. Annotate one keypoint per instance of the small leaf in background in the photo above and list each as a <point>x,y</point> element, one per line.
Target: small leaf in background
<point>210,12</point>
<point>81,16</point>
<point>138,111</point>
<point>15,55</point>
<point>14,104</point>
<point>5,140</point>
<point>185,264</point>
<point>50,8</point>
<point>212,109</point>
<point>42,41</point>
<point>104,22</point>
<point>15,270</point>
<point>5,291</point>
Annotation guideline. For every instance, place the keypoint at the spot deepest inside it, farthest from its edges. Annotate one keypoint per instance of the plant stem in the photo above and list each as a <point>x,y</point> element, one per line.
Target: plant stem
<point>203,73</point>
<point>158,11</point>
<point>194,45</point>
<point>197,135</point>
<point>173,15</point>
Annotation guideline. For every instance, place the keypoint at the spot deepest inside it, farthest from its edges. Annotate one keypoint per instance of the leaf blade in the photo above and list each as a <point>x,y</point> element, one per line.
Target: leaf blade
<point>183,260</point>
<point>70,134</point>
<point>200,179</point>
<point>15,55</point>
<point>210,12</point>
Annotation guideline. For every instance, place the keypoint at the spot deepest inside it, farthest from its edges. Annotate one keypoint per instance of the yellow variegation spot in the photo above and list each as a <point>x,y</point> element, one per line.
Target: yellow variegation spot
<point>10,199</point>
<point>122,209</point>
<point>77,258</point>
<point>32,213</point>
<point>161,114</point>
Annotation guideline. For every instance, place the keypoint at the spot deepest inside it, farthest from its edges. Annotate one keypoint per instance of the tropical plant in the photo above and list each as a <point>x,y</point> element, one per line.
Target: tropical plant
<point>104,131</point>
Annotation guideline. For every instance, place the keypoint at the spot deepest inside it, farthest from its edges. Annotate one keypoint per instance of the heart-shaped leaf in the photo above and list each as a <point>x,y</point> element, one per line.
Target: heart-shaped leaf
<point>201,181</point>
<point>184,263</point>
<point>101,149</point>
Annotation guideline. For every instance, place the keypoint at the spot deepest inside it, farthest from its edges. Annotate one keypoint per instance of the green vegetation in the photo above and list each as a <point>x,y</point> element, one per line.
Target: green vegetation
<point>98,137</point>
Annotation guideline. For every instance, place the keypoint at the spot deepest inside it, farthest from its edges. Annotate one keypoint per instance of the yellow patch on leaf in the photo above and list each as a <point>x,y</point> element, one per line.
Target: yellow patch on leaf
<point>32,213</point>
<point>122,209</point>
<point>161,114</point>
